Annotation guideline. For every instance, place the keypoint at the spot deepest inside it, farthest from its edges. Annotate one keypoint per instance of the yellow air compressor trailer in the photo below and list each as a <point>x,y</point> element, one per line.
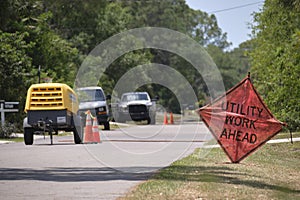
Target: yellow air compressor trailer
<point>51,107</point>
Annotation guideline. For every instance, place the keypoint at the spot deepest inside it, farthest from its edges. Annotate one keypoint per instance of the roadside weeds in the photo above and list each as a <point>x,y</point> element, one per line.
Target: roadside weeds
<point>272,172</point>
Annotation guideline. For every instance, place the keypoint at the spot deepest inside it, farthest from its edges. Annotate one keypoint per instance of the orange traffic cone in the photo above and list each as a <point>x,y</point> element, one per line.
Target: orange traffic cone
<point>165,118</point>
<point>171,118</point>
<point>95,129</point>
<point>88,133</point>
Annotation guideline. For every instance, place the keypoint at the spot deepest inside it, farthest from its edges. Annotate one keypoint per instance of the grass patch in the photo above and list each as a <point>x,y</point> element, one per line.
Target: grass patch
<point>13,139</point>
<point>283,135</point>
<point>272,172</point>
<point>112,126</point>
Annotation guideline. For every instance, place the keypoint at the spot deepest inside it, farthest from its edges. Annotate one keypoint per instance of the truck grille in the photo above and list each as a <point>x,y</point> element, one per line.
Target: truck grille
<point>137,108</point>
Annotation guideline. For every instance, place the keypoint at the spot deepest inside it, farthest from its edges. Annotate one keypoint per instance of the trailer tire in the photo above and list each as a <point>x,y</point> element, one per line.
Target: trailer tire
<point>28,136</point>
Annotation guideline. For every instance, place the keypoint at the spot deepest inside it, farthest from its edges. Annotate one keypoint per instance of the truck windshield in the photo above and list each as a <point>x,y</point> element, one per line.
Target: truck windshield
<point>134,97</point>
<point>90,95</point>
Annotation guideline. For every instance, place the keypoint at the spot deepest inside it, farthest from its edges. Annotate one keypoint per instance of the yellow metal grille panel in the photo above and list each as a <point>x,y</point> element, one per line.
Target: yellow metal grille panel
<point>46,97</point>
<point>51,96</point>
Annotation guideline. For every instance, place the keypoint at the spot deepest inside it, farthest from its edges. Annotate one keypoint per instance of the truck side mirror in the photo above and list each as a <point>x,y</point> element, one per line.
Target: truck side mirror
<point>108,97</point>
<point>156,98</point>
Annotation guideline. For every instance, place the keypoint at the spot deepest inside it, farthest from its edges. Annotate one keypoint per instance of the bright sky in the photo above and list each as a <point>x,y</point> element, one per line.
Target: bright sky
<point>233,16</point>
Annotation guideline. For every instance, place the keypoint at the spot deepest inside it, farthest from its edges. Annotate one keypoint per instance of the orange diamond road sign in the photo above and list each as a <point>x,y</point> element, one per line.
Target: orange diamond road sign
<point>240,121</point>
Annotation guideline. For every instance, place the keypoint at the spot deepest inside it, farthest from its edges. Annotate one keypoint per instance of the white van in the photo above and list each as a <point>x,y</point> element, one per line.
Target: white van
<point>94,99</point>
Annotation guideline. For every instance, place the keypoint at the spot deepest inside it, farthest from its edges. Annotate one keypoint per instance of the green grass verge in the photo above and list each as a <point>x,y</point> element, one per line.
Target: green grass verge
<point>272,172</point>
<point>283,135</point>
<point>14,139</point>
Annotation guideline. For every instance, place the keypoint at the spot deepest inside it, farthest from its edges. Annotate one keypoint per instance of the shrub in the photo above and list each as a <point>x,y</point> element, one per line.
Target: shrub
<point>6,130</point>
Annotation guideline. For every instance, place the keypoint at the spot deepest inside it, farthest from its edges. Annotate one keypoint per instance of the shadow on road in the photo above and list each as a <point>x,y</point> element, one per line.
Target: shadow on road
<point>76,174</point>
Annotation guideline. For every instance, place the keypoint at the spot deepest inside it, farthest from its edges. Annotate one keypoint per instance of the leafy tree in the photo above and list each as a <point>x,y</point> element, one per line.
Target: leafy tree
<point>233,65</point>
<point>77,21</point>
<point>27,42</point>
<point>58,59</point>
<point>176,15</point>
<point>224,63</point>
<point>14,69</point>
<point>87,23</point>
<point>276,61</point>
<point>58,34</point>
<point>240,58</point>
<point>14,65</point>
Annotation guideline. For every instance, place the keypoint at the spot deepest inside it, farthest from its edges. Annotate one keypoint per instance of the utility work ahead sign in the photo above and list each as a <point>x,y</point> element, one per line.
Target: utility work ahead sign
<point>240,121</point>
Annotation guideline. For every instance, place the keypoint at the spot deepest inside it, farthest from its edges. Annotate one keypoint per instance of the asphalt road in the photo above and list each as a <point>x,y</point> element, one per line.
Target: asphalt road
<point>107,170</point>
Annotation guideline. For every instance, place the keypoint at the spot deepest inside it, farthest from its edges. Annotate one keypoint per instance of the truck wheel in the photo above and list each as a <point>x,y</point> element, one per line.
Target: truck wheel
<point>77,138</point>
<point>28,136</point>
<point>153,120</point>
<point>106,126</point>
<point>149,120</point>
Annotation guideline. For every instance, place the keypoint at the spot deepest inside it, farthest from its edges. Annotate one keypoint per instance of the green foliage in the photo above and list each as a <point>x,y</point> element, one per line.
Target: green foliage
<point>7,129</point>
<point>14,66</point>
<point>55,55</point>
<point>233,65</point>
<point>58,34</point>
<point>176,15</point>
<point>96,21</point>
<point>276,61</point>
<point>27,42</point>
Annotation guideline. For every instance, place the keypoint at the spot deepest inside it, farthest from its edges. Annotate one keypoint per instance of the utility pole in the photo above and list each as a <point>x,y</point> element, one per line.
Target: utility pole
<point>39,73</point>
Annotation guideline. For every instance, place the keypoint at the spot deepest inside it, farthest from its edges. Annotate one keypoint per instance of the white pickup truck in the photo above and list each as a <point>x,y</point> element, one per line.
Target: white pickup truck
<point>136,106</point>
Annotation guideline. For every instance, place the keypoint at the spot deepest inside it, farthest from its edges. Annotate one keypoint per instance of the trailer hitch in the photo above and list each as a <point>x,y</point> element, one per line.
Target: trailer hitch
<point>42,125</point>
